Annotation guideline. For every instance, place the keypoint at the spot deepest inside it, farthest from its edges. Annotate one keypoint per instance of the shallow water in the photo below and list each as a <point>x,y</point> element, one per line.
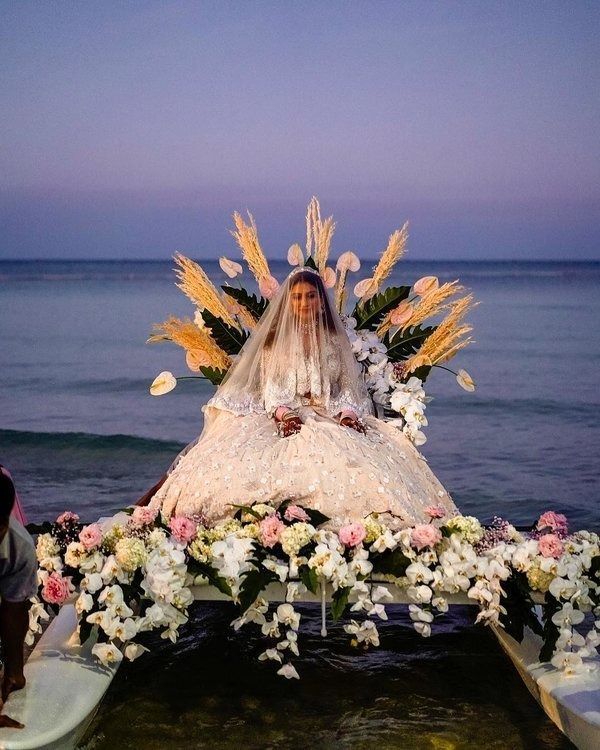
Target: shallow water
<point>454,690</point>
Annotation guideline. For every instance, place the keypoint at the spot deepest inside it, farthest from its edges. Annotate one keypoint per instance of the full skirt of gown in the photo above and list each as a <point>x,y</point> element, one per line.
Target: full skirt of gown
<point>241,460</point>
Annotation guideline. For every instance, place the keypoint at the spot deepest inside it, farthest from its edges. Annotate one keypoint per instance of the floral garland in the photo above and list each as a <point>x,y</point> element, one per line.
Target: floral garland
<point>133,573</point>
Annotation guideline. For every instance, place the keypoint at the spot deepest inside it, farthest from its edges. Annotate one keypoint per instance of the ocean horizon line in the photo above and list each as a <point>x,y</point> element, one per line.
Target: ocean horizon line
<point>483,261</point>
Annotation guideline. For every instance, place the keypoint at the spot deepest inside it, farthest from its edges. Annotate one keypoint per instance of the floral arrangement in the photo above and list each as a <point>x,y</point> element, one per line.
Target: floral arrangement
<point>386,325</point>
<point>133,573</point>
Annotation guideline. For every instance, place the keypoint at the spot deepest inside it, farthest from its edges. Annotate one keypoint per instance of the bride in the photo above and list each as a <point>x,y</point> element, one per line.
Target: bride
<point>293,419</point>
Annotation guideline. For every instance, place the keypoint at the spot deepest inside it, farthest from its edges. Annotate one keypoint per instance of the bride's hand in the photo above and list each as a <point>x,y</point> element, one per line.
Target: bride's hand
<point>354,423</point>
<point>289,424</point>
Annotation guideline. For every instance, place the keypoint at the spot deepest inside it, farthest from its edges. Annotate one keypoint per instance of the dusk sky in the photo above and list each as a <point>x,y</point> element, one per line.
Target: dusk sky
<point>134,129</point>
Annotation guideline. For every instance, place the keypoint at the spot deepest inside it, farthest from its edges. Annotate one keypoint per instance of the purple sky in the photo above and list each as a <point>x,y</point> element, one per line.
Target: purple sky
<point>130,130</point>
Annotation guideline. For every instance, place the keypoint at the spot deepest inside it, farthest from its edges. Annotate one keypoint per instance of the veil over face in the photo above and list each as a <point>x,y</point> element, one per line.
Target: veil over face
<point>298,355</point>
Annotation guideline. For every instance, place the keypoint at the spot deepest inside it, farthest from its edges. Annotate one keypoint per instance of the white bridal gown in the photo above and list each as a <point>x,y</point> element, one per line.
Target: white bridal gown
<point>240,459</point>
<point>299,356</point>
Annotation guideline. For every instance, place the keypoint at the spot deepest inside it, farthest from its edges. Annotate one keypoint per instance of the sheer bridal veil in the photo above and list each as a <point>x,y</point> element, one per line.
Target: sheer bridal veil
<point>298,354</point>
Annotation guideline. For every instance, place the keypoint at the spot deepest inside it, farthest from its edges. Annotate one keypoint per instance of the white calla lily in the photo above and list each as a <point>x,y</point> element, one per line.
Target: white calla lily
<point>465,380</point>
<point>230,267</point>
<point>295,256</point>
<point>163,383</point>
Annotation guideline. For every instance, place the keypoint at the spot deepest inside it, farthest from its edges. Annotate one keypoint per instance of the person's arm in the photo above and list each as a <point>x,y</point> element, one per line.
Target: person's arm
<point>14,621</point>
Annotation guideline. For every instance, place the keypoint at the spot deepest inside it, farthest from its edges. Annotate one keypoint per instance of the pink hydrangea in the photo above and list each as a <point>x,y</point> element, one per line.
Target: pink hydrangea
<point>270,530</point>
<point>182,528</point>
<point>425,535</point>
<point>550,545</point>
<point>143,515</point>
<point>57,589</point>
<point>67,517</point>
<point>555,521</point>
<point>295,513</point>
<point>352,535</point>
<point>435,511</point>
<point>91,536</point>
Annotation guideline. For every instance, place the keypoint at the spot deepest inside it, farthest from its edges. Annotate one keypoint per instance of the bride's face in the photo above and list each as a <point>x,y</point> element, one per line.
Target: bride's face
<point>305,302</point>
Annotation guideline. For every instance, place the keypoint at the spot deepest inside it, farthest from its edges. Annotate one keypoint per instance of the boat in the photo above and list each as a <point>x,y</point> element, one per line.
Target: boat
<point>65,683</point>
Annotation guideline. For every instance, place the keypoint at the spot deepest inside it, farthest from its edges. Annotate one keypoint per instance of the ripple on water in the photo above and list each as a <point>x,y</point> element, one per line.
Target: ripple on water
<point>454,690</point>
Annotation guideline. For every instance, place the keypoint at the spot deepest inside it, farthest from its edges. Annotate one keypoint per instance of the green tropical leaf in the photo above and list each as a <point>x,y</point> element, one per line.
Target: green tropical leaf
<point>339,602</point>
<point>215,376</point>
<point>254,582</point>
<point>204,569</point>
<point>308,576</point>
<point>401,345</point>
<point>370,313</point>
<point>229,338</point>
<point>316,517</point>
<point>551,631</point>
<point>519,607</point>
<point>252,303</point>
<point>391,562</point>
<point>422,373</point>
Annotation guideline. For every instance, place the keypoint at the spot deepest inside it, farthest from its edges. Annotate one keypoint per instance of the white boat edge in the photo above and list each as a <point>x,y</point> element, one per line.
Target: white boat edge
<point>65,684</point>
<point>571,702</point>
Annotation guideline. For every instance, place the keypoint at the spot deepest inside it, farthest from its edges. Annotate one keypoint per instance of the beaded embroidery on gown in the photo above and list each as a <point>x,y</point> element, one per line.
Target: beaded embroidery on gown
<point>305,364</point>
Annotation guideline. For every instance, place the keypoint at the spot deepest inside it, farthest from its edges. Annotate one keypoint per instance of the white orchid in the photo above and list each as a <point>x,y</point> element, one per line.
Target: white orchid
<point>107,653</point>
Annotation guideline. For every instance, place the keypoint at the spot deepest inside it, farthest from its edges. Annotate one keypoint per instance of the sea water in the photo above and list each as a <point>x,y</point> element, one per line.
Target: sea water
<point>79,430</point>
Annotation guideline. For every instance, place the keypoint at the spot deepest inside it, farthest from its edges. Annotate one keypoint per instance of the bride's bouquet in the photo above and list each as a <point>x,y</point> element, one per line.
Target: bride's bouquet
<point>398,333</point>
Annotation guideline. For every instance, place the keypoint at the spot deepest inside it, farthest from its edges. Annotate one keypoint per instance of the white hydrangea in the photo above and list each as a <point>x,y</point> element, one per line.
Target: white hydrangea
<point>130,553</point>
<point>294,537</point>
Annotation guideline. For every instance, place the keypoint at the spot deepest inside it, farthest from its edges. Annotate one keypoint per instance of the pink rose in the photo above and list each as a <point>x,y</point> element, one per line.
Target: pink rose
<point>555,521</point>
<point>352,534</point>
<point>91,536</point>
<point>57,589</point>
<point>143,515</point>
<point>435,511</point>
<point>67,517</point>
<point>425,535</point>
<point>550,545</point>
<point>270,530</point>
<point>268,286</point>
<point>295,513</point>
<point>182,528</point>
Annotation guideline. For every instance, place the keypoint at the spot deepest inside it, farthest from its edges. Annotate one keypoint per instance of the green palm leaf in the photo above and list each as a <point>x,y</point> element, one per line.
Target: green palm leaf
<point>215,376</point>
<point>230,339</point>
<point>370,313</point>
<point>252,303</point>
<point>402,344</point>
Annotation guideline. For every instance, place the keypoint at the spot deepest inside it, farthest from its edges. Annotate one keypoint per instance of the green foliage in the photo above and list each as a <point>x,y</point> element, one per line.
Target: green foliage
<point>308,576</point>
<point>422,373</point>
<point>551,631</point>
<point>254,582</point>
<point>339,602</point>
<point>229,338</point>
<point>310,263</point>
<point>519,607</point>
<point>370,313</point>
<point>197,568</point>
<point>215,376</point>
<point>316,517</point>
<point>252,303</point>
<point>402,345</point>
<point>391,562</point>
